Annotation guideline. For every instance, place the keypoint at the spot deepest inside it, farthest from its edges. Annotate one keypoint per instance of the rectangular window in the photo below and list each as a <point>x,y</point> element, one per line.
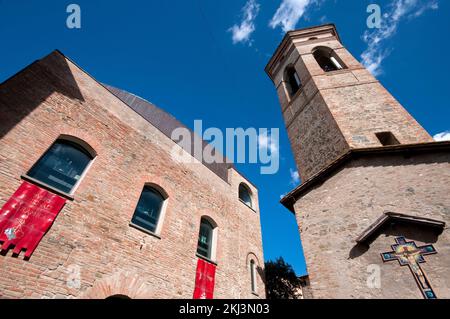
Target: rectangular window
<point>387,138</point>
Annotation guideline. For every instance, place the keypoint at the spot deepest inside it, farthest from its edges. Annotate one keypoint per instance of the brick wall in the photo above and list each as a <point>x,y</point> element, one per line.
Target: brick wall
<point>92,233</point>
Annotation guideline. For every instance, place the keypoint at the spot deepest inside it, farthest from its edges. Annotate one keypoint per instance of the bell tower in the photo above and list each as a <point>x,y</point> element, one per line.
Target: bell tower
<point>331,104</point>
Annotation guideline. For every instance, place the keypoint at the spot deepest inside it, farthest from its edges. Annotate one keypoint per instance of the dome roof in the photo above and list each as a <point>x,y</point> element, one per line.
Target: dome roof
<point>166,123</point>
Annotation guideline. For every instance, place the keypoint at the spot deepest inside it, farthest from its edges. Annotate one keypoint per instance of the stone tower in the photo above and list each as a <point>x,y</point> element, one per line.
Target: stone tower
<point>331,103</point>
<point>371,175</point>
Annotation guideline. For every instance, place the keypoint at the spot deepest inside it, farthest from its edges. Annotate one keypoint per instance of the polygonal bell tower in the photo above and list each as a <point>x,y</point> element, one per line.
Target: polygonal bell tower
<point>331,104</point>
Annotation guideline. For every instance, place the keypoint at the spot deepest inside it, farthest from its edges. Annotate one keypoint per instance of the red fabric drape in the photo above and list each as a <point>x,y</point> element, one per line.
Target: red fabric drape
<point>26,217</point>
<point>204,280</point>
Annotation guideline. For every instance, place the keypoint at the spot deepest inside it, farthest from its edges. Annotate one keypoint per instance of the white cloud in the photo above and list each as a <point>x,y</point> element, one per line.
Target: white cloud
<point>295,177</point>
<point>268,142</point>
<point>243,31</point>
<point>289,13</point>
<point>444,136</point>
<point>398,10</point>
<point>323,19</point>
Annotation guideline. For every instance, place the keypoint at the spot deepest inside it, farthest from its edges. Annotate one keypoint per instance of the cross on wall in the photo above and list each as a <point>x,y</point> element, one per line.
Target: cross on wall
<point>408,254</point>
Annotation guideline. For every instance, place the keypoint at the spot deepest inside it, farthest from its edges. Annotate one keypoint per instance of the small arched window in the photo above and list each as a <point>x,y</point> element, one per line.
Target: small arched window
<point>292,80</point>
<point>327,59</point>
<point>118,297</point>
<point>245,195</point>
<point>253,276</point>
<point>207,239</point>
<point>62,166</point>
<point>148,210</point>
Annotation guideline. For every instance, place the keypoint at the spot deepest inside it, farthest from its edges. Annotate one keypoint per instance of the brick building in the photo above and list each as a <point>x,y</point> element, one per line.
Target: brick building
<point>125,217</point>
<point>375,185</point>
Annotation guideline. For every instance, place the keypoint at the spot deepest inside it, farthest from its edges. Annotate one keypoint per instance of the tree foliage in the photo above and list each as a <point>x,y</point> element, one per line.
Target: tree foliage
<point>281,280</point>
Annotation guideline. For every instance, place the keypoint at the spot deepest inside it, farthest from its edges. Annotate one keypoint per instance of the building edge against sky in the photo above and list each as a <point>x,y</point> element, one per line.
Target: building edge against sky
<point>367,167</point>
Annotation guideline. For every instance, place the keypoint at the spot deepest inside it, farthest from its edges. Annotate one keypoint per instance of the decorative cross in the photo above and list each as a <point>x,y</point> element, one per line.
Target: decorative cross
<point>408,254</point>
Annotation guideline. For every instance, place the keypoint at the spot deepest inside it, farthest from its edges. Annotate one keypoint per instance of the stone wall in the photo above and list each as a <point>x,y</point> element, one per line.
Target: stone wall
<point>333,214</point>
<point>335,111</point>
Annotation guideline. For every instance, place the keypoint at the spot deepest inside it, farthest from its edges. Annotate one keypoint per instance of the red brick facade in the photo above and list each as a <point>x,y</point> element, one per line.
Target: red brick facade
<point>91,251</point>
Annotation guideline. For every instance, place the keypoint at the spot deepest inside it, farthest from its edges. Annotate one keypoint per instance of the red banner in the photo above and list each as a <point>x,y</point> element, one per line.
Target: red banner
<point>204,280</point>
<point>26,217</point>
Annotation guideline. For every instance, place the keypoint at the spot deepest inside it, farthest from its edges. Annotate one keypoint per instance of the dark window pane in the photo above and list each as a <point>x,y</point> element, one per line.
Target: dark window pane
<point>244,195</point>
<point>253,275</point>
<point>387,138</point>
<point>324,61</point>
<point>205,239</point>
<point>293,81</point>
<point>148,209</point>
<point>61,166</point>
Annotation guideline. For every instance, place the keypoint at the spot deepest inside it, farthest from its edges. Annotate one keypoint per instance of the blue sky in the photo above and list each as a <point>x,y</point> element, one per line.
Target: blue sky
<point>205,59</point>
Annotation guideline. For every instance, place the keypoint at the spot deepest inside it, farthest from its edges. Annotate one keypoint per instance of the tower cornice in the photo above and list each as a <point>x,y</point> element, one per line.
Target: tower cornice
<point>289,38</point>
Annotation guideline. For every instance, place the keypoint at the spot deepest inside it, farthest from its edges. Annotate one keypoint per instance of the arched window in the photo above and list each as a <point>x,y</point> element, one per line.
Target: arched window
<point>253,276</point>
<point>327,59</point>
<point>62,166</point>
<point>292,80</point>
<point>118,297</point>
<point>207,239</point>
<point>148,210</point>
<point>245,195</point>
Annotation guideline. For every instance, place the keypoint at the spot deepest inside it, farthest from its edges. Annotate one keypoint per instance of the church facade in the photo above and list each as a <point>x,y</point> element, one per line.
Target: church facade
<point>94,204</point>
<point>373,206</point>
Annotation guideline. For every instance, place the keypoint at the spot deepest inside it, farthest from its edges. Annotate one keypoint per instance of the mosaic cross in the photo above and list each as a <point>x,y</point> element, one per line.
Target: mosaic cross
<point>408,254</point>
